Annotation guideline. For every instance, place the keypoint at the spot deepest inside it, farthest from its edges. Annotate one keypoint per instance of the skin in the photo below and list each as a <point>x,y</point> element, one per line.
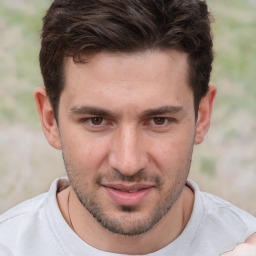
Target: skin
<point>244,249</point>
<point>126,122</point>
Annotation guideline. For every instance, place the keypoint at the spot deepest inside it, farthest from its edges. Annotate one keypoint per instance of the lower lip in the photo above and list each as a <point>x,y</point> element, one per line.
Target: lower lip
<point>126,198</point>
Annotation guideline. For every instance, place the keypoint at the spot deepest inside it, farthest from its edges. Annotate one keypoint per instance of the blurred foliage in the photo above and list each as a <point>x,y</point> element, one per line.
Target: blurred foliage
<point>235,50</point>
<point>208,166</point>
<point>20,23</point>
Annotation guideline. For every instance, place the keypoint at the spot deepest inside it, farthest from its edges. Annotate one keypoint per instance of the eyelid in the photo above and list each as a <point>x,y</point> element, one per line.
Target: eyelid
<point>88,120</point>
<point>165,117</point>
<point>154,120</point>
<point>168,121</point>
<point>107,123</point>
<point>148,121</point>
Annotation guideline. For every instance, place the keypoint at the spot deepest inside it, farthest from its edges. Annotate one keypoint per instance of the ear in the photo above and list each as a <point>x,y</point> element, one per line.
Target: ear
<point>204,114</point>
<point>48,121</point>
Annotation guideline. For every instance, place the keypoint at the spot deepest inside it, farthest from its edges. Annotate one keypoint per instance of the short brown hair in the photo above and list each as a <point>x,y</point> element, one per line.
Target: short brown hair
<point>79,27</point>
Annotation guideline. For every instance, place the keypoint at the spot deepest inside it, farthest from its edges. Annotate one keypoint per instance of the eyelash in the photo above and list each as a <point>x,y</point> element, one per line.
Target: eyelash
<point>89,120</point>
<point>164,119</point>
<point>150,122</point>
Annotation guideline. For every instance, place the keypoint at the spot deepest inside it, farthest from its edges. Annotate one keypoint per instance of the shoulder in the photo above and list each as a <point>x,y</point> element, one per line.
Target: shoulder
<point>4,251</point>
<point>28,210</point>
<point>222,225</point>
<point>221,212</point>
<point>23,211</point>
<point>227,214</point>
<point>18,224</point>
<point>26,229</point>
<point>32,206</point>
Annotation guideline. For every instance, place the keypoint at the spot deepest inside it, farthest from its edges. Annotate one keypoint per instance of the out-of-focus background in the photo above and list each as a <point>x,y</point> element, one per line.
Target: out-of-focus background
<point>225,164</point>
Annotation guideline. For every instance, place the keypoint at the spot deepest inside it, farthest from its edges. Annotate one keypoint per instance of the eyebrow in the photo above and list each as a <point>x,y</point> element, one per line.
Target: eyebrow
<point>162,110</point>
<point>95,111</point>
<point>81,110</point>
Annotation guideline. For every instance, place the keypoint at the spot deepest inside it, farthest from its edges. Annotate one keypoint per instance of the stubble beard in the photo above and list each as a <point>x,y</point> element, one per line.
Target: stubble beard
<point>127,223</point>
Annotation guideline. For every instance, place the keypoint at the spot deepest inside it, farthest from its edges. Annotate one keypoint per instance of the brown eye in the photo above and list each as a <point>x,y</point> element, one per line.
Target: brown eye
<point>96,120</point>
<point>159,120</point>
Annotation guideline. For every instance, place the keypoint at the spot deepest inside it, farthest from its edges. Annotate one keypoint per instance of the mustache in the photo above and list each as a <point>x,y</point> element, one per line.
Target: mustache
<point>140,176</point>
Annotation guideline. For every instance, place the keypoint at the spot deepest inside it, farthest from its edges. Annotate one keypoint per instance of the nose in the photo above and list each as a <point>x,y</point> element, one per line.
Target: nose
<point>127,153</point>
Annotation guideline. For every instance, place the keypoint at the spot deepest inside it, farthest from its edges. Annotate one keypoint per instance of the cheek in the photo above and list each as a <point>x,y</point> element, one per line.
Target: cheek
<point>173,152</point>
<point>84,151</point>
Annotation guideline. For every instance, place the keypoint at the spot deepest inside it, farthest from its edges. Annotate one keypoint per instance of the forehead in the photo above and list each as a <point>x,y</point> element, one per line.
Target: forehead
<point>127,66</point>
<point>145,77</point>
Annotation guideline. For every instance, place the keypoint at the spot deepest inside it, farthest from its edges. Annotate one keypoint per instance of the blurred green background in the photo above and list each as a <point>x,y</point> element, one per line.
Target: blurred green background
<point>225,164</point>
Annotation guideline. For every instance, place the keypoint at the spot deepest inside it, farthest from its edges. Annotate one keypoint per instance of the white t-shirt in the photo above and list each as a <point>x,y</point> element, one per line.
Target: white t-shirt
<point>37,228</point>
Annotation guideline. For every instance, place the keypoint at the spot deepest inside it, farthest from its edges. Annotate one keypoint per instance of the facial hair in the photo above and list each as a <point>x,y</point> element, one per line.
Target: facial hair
<point>127,221</point>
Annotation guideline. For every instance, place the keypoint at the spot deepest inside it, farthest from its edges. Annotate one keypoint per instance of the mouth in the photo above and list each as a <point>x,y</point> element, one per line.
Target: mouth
<point>128,195</point>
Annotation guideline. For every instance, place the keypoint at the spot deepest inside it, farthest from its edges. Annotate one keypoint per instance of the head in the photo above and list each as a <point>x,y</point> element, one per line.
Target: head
<point>126,99</point>
<point>80,28</point>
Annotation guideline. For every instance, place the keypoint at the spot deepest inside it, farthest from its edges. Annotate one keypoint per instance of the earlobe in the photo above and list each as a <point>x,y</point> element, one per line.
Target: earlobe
<point>204,114</point>
<point>48,120</point>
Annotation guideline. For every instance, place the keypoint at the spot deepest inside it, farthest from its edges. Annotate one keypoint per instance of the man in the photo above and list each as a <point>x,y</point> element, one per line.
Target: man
<point>126,98</point>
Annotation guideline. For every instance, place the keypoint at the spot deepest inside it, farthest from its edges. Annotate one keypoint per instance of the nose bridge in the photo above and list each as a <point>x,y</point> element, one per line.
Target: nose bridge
<point>128,155</point>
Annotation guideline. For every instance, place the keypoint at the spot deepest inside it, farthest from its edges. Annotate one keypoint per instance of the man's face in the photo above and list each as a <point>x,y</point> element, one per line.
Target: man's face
<point>127,129</point>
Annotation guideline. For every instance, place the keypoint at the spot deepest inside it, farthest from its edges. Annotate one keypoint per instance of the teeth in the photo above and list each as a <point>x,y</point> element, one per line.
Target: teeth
<point>132,191</point>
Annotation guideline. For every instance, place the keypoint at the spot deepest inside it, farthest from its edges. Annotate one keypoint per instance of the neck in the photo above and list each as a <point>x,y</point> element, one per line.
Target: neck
<point>89,230</point>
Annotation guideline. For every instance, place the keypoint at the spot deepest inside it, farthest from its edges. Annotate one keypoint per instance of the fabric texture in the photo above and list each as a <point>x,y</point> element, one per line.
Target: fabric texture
<point>37,227</point>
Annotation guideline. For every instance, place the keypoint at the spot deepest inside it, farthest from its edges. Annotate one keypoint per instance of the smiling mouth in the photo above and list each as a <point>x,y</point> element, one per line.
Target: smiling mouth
<point>128,195</point>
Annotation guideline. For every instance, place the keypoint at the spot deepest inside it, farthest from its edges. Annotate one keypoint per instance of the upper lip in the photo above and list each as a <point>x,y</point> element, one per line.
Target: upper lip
<point>128,187</point>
